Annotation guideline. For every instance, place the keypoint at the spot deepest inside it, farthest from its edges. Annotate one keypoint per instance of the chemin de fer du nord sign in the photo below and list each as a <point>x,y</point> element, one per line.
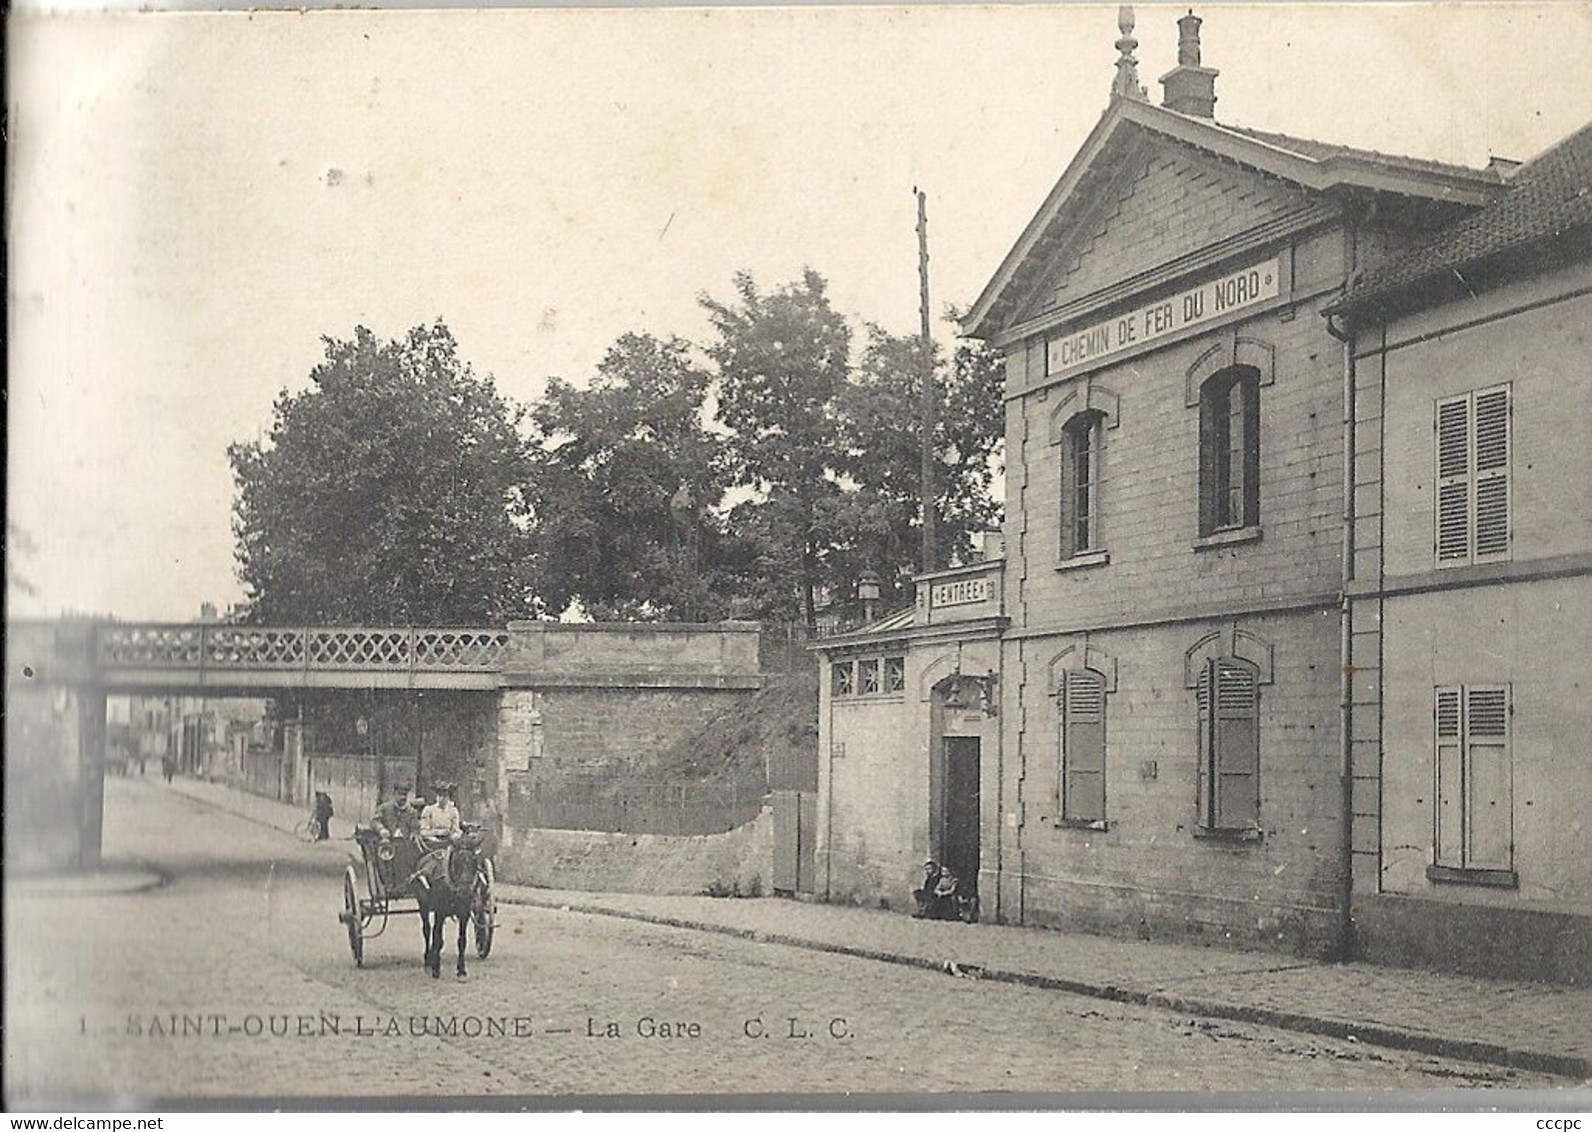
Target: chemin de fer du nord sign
<point>1232,292</point>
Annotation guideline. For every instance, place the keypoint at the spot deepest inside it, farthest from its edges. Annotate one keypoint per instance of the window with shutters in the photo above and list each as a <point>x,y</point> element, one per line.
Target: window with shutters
<point>1082,700</point>
<point>842,678</point>
<point>895,674</point>
<point>1473,819</point>
<point>1080,485</point>
<point>1230,450</point>
<point>868,677</point>
<point>1229,746</point>
<point>1473,446</point>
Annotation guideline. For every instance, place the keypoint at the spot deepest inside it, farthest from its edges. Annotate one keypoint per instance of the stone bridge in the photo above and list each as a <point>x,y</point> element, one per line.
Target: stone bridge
<point>213,658</point>
<point>532,698</point>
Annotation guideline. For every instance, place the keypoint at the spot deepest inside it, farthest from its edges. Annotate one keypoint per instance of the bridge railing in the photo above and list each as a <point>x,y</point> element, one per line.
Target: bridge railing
<point>312,649</point>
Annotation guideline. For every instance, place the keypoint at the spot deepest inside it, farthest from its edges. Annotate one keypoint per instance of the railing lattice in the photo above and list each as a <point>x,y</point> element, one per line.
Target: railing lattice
<point>315,649</point>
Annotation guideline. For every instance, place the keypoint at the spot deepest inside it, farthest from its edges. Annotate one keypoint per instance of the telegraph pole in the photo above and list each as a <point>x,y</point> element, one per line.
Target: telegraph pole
<point>926,408</point>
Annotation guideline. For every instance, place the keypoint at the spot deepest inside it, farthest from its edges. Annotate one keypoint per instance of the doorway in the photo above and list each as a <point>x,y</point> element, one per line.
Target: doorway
<point>795,841</point>
<point>959,831</point>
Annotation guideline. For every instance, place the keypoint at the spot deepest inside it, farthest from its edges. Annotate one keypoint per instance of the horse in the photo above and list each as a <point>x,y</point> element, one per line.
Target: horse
<point>445,884</point>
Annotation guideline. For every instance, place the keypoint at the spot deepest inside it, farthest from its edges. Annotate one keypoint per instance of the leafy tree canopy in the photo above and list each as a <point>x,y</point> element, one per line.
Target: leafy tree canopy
<point>876,526</point>
<point>391,491</point>
<point>782,359</point>
<point>627,486</point>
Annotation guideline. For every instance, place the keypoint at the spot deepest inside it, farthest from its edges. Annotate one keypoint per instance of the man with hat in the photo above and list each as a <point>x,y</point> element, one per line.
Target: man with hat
<point>396,819</point>
<point>440,820</point>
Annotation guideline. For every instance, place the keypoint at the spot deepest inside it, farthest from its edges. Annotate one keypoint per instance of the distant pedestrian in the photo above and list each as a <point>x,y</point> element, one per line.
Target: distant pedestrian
<point>323,815</point>
<point>168,767</point>
<point>924,897</point>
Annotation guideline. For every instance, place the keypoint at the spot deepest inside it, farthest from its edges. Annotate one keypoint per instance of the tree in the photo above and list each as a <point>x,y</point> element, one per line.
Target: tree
<point>875,525</point>
<point>782,360</point>
<point>389,492</point>
<point>19,547</point>
<point>628,484</point>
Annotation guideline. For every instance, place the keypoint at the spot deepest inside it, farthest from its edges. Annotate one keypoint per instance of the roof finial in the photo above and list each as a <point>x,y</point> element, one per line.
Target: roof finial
<point>1126,84</point>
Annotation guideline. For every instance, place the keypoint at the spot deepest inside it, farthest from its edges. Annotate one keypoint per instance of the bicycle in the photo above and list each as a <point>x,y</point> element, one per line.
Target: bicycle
<point>307,829</point>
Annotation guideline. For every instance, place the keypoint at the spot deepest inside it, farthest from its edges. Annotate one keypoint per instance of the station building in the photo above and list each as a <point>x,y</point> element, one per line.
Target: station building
<point>1141,717</point>
<point>1470,585</point>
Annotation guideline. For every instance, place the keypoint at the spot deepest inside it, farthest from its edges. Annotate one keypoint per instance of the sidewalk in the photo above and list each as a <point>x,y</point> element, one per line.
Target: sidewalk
<point>263,811</point>
<point>1523,1025</point>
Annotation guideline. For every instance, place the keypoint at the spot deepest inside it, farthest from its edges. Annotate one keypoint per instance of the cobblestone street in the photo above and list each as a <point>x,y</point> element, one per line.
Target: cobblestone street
<point>243,947</point>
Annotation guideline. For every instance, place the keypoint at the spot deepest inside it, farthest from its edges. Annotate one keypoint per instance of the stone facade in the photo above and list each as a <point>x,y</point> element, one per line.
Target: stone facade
<point>881,765</point>
<point>1517,868</point>
<point>1169,641</point>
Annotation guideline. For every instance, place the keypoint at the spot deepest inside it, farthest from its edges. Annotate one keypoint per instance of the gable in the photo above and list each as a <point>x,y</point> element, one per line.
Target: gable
<point>1172,203</point>
<point>1045,267</point>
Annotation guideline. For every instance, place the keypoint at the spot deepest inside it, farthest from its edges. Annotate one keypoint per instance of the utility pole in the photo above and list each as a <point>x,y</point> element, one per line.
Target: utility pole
<point>926,408</point>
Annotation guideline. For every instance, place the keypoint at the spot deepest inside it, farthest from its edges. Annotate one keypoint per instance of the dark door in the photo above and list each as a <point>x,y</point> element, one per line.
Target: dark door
<point>961,810</point>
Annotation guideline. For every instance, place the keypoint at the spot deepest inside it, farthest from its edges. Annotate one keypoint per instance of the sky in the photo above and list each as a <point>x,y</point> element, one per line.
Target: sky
<point>197,198</point>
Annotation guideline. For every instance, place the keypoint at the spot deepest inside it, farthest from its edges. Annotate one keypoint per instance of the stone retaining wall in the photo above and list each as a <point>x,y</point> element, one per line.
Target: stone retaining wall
<point>737,862</point>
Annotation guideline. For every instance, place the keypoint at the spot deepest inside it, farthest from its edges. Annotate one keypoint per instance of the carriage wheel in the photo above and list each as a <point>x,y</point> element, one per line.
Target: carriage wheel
<point>351,917</point>
<point>484,912</point>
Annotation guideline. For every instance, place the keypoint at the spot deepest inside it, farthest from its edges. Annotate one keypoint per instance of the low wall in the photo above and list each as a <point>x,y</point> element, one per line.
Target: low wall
<point>627,654</point>
<point>1492,942</point>
<point>740,861</point>
<point>262,775</point>
<point>357,784</point>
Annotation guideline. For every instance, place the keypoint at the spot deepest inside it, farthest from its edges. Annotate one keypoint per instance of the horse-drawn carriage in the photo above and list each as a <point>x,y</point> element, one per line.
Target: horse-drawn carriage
<point>434,881</point>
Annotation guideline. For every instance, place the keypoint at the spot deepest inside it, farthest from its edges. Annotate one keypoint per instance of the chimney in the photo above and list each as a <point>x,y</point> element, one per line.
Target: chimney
<point>1190,88</point>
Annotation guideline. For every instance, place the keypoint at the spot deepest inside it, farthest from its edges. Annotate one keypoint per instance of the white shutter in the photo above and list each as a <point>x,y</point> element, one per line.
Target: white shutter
<point>1453,480</point>
<point>1489,798</point>
<point>1449,811</point>
<point>1474,443</point>
<point>1474,819</point>
<point>1237,762</point>
<point>1229,753</point>
<point>1084,747</point>
<point>1492,419</point>
<point>1207,744</point>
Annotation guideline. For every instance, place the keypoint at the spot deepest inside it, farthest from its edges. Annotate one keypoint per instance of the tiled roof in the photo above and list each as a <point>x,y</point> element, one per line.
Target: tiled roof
<point>892,623</point>
<point>1549,199</point>
<point>1324,151</point>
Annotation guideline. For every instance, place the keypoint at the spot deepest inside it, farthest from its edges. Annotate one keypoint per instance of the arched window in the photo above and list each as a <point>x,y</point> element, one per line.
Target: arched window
<point>1230,450</point>
<point>1229,745</point>
<point>1080,484</point>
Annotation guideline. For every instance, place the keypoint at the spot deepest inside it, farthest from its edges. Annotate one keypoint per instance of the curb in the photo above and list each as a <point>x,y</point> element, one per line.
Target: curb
<point>26,889</point>
<point>1377,1034</point>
